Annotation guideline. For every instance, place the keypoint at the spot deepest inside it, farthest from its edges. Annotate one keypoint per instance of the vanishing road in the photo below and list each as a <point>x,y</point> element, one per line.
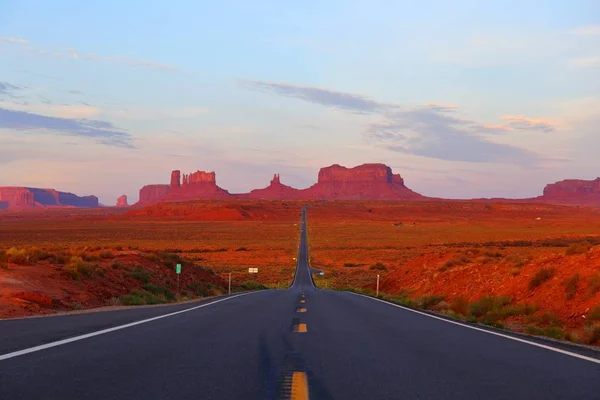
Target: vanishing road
<point>272,344</point>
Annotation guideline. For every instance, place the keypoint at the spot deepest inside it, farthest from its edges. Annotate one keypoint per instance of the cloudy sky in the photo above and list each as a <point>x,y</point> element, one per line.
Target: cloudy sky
<point>463,98</point>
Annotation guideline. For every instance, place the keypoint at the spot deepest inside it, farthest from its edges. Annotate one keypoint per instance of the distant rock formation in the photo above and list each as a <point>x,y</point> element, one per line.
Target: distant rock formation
<point>14,197</point>
<point>122,201</point>
<point>365,182</point>
<point>573,192</point>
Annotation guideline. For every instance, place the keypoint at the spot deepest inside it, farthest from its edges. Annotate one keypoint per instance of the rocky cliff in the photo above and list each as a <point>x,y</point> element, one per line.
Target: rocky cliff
<point>122,201</point>
<point>365,182</point>
<point>573,191</point>
<point>14,197</point>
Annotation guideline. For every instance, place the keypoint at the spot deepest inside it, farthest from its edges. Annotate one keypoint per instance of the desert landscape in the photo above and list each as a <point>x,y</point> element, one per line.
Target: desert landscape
<point>527,265</point>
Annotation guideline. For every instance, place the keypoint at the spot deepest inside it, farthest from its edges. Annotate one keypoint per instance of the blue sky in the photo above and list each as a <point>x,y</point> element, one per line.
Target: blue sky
<point>463,98</point>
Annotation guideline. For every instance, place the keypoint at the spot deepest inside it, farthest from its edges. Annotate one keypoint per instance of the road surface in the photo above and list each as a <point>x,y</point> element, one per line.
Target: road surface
<point>304,342</point>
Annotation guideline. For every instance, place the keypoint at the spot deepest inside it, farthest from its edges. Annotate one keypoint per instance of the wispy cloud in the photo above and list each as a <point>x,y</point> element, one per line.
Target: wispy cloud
<point>78,55</point>
<point>8,89</point>
<point>103,132</point>
<point>431,130</point>
<point>586,62</point>
<point>340,100</point>
<point>77,92</point>
<point>586,30</point>
<point>13,40</point>
<point>435,134</point>
<point>523,123</point>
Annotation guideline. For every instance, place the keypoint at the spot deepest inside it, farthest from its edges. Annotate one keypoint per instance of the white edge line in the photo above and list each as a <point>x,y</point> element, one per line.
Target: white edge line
<point>543,346</point>
<point>108,330</point>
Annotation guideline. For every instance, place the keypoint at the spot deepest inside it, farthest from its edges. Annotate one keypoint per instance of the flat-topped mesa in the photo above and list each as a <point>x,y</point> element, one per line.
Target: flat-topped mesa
<point>573,191</point>
<point>362,173</point>
<point>27,197</point>
<point>199,177</point>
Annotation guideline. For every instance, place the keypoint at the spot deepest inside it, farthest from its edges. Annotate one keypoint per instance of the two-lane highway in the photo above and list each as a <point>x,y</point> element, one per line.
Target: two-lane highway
<point>300,343</point>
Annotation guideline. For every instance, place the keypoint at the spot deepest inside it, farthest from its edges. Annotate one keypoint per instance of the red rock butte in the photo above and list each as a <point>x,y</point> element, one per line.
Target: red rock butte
<point>365,182</point>
<point>16,197</point>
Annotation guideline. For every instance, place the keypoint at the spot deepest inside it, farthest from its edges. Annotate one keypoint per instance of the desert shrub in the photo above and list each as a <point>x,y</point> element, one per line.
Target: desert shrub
<point>106,254</point>
<point>241,249</point>
<point>116,265</point>
<point>594,314</point>
<point>352,265</point>
<point>428,302</point>
<point>141,275</point>
<point>543,275</point>
<point>594,333</point>
<point>459,260</point>
<point>17,256</point>
<point>62,258</point>
<point>487,304</point>
<point>548,318</point>
<point>518,260</point>
<point>460,305</point>
<point>160,291</point>
<point>139,298</point>
<point>73,267</point>
<point>151,257</point>
<point>378,266</point>
<point>554,332</point>
<point>577,248</point>
<point>570,285</point>
<point>486,260</point>
<point>494,254</point>
<point>99,271</point>
<point>252,285</point>
<point>87,269</point>
<point>534,330</point>
<point>119,248</point>
<point>90,257</point>
<point>203,289</point>
<point>594,285</point>
<point>3,259</point>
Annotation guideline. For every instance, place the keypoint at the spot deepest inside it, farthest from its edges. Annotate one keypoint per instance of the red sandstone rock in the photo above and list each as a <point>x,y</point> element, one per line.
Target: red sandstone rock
<point>153,193</point>
<point>175,179</point>
<point>122,201</point>
<point>573,191</point>
<point>22,197</point>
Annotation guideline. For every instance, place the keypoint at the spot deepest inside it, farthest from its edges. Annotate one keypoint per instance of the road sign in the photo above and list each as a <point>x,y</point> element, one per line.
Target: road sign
<point>178,269</point>
<point>253,270</point>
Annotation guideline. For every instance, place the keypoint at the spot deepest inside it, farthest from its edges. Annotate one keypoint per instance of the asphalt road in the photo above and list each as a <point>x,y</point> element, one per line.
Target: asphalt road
<point>270,344</point>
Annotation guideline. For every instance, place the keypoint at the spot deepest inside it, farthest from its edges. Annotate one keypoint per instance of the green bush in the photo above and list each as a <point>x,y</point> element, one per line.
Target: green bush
<point>139,298</point>
<point>486,305</point>
<point>141,275</point>
<point>534,330</point>
<point>252,285</point>
<point>160,291</point>
<point>428,302</point>
<point>540,277</point>
<point>570,285</point>
<point>555,333</point>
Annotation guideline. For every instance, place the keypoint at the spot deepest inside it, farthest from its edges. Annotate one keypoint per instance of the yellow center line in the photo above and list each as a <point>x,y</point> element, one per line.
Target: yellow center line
<point>302,310</point>
<point>302,328</point>
<point>299,386</point>
<point>302,301</point>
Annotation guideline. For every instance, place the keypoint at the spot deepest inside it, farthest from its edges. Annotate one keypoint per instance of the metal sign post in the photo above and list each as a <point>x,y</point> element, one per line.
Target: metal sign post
<point>230,283</point>
<point>178,272</point>
<point>377,295</point>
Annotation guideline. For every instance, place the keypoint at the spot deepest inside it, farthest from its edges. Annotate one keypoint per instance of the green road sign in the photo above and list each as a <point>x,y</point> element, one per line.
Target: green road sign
<point>178,268</point>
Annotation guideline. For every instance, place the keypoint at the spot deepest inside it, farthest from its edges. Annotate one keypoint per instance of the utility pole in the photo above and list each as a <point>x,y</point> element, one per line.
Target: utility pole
<point>377,295</point>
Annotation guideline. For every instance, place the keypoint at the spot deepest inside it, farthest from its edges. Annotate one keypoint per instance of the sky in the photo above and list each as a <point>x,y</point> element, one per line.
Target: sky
<point>462,98</point>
